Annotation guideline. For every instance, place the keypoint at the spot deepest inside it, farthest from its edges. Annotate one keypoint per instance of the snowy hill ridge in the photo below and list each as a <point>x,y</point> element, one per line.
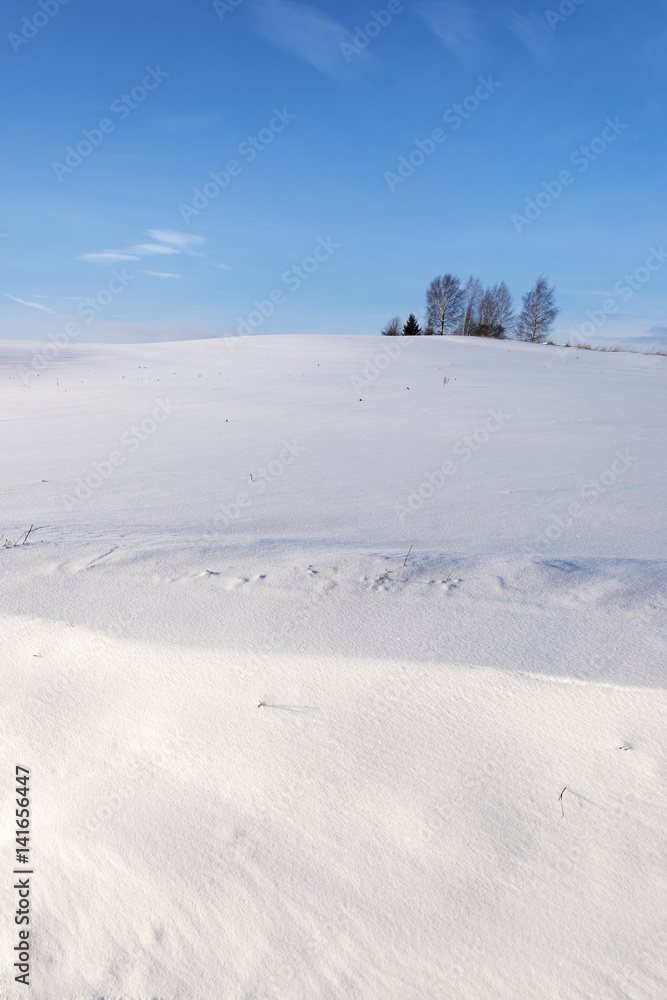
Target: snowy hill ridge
<point>440,564</point>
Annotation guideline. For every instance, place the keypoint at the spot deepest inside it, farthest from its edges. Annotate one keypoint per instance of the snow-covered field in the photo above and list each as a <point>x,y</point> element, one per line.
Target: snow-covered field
<point>224,523</point>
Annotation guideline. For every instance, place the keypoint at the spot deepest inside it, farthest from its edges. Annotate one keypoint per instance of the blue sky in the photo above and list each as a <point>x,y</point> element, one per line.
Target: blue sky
<point>312,228</point>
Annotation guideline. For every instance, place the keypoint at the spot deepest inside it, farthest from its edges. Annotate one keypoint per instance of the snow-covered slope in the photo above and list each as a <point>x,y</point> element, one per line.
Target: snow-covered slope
<point>226,522</point>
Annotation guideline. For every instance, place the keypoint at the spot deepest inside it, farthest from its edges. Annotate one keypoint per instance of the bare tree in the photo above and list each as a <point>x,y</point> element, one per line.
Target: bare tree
<point>495,312</point>
<point>443,304</point>
<point>392,328</point>
<point>471,292</point>
<point>538,312</point>
<point>483,324</point>
<point>506,316</point>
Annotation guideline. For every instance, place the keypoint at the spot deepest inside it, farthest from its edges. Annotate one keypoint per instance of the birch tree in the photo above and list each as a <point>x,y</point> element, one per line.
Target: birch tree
<point>471,293</point>
<point>443,304</point>
<point>538,312</point>
<point>506,316</point>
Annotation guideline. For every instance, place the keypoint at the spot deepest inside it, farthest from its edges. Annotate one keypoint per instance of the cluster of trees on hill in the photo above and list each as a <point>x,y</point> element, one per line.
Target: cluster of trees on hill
<point>471,310</point>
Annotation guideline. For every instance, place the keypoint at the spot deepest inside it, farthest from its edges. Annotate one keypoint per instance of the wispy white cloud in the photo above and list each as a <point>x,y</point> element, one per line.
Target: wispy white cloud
<point>531,29</point>
<point>455,23</point>
<point>223,267</point>
<point>174,237</point>
<point>162,274</point>
<point>33,305</point>
<point>307,33</point>
<point>107,257</point>
<point>168,242</point>
<point>657,333</point>
<point>149,249</point>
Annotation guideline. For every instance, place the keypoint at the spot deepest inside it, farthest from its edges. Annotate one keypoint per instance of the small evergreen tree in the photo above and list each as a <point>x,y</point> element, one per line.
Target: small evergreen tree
<point>412,327</point>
